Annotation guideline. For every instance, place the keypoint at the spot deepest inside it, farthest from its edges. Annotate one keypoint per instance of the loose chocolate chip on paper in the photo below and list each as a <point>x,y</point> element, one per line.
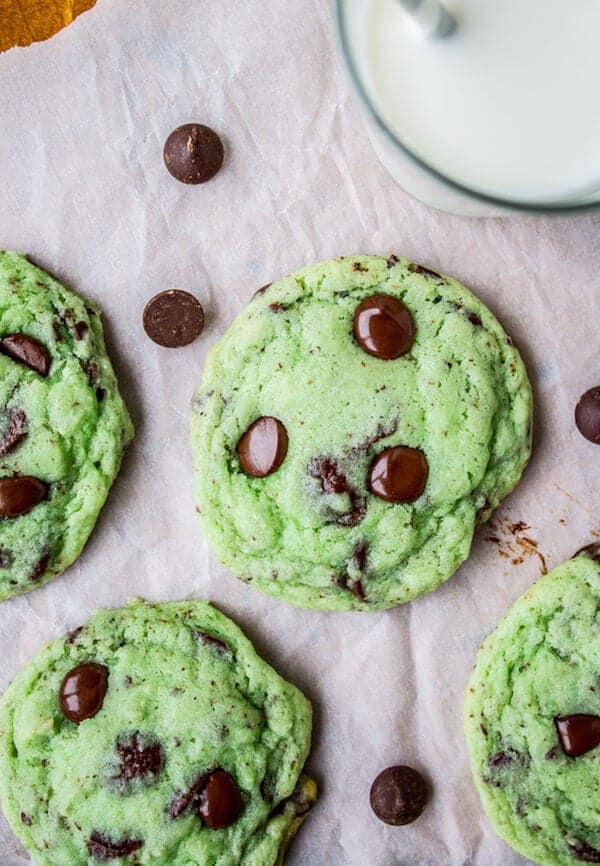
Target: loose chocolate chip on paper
<point>398,474</point>
<point>83,690</point>
<point>398,795</point>
<point>25,350</point>
<point>173,318</point>
<point>18,495</point>
<point>263,447</point>
<point>578,733</point>
<point>193,153</point>
<point>383,327</point>
<point>220,803</point>
<point>587,415</point>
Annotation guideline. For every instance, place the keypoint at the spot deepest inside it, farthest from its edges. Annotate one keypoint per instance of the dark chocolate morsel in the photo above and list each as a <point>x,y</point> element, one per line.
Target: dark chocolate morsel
<point>584,852</point>
<point>14,432</point>
<point>193,153</point>
<point>139,758</point>
<point>398,795</point>
<point>590,550</point>
<point>215,643</point>
<point>20,494</point>
<point>173,318</point>
<point>578,734</point>
<point>25,350</point>
<point>587,415</point>
<point>102,847</point>
<point>220,803</point>
<point>383,327</point>
<point>398,474</point>
<point>184,800</point>
<point>82,691</point>
<point>263,447</point>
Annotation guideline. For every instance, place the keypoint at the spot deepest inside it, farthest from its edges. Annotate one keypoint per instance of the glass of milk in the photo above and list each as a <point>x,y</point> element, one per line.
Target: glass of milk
<point>502,115</point>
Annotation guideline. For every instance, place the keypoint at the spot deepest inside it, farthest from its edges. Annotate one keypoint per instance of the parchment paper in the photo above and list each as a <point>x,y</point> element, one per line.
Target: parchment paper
<point>83,190</point>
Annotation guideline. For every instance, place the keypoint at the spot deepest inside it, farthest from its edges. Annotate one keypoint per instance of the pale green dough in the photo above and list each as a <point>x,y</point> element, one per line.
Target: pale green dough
<point>543,661</point>
<point>76,424</point>
<point>461,395</point>
<point>181,676</point>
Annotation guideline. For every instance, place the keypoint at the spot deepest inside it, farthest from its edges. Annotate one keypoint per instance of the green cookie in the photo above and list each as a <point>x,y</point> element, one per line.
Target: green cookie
<point>173,745</point>
<point>533,718</point>
<point>63,425</point>
<point>312,525</point>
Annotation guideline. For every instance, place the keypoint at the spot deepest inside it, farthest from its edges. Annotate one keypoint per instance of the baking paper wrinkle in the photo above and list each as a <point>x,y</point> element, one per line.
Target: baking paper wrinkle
<point>85,191</point>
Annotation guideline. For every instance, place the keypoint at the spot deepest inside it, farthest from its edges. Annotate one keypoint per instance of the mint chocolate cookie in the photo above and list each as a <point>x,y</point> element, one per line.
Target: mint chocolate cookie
<point>63,425</point>
<point>533,718</point>
<point>352,427</point>
<point>156,736</point>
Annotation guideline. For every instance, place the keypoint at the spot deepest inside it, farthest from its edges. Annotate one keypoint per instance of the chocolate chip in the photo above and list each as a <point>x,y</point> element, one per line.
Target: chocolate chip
<point>590,550</point>
<point>421,269</point>
<point>333,480</point>
<point>215,643</point>
<point>398,795</point>
<point>82,691</point>
<point>578,734</point>
<point>26,819</point>
<point>140,759</point>
<point>263,447</point>
<point>183,801</point>
<point>584,852</point>
<point>41,566</point>
<point>587,415</point>
<point>193,153</point>
<point>25,350</point>
<point>20,494</point>
<point>15,431</point>
<point>398,474</point>
<point>173,318</point>
<point>102,847</point>
<point>80,329</point>
<point>383,327</point>
<point>220,803</point>
<point>503,759</point>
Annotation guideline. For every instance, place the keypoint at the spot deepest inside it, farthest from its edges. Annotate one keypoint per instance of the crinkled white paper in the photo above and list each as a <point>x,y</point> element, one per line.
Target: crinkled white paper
<point>83,190</point>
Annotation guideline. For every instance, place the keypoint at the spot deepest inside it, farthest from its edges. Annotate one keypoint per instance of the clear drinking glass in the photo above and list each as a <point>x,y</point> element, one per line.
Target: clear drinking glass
<point>408,168</point>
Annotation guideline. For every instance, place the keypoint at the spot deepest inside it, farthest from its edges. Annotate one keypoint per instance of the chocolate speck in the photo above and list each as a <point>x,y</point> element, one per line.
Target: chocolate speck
<point>213,642</point>
<point>262,290</point>
<point>421,269</point>
<point>278,307</point>
<point>358,266</point>
<point>392,261</point>
<point>104,848</point>
<point>25,818</point>
<point>80,329</point>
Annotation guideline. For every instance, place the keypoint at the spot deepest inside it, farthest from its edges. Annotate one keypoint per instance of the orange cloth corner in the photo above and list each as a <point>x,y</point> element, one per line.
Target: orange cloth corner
<point>25,21</point>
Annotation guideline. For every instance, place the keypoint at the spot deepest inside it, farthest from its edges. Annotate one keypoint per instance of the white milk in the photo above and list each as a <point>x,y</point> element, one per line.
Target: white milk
<point>509,105</point>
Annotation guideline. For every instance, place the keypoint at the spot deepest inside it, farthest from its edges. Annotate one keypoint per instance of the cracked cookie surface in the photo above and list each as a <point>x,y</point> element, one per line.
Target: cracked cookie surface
<point>63,425</point>
<point>532,718</point>
<point>447,398</point>
<point>189,753</point>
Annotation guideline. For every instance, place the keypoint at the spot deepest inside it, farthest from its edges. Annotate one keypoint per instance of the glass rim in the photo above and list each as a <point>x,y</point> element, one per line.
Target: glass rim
<point>548,208</point>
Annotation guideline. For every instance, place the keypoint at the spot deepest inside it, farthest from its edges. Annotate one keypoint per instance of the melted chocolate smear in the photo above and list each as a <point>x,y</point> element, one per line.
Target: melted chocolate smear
<point>584,852</point>
<point>15,432</point>
<point>41,567</point>
<point>382,433</point>
<point>333,480</point>
<point>140,758</point>
<point>215,643</point>
<point>184,801</point>
<point>104,848</point>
